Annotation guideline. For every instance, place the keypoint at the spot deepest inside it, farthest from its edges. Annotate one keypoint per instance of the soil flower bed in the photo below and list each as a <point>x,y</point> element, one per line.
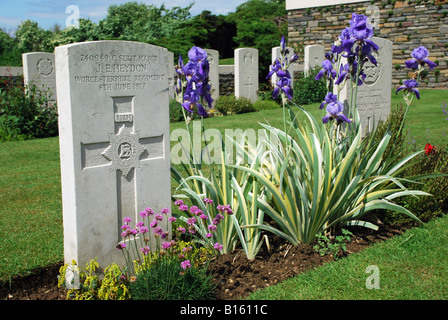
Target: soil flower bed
<point>234,275</point>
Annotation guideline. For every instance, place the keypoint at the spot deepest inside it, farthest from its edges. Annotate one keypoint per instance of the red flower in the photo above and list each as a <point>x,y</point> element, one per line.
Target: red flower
<point>430,149</point>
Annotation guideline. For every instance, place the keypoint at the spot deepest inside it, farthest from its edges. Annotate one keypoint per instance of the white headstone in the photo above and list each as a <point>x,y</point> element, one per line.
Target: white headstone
<point>39,69</point>
<point>213,59</point>
<point>114,142</point>
<point>314,56</point>
<point>374,95</point>
<point>276,53</point>
<point>246,73</point>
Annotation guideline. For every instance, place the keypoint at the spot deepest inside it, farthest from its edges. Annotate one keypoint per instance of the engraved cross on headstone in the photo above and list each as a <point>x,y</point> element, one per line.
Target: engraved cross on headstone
<point>123,153</point>
<point>248,84</point>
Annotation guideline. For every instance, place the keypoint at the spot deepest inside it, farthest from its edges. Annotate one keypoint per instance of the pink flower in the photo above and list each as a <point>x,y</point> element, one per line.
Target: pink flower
<point>166,244</point>
<point>192,229</point>
<point>183,207</point>
<point>145,250</point>
<point>191,221</point>
<point>208,201</point>
<point>146,213</point>
<point>165,211</point>
<point>193,209</point>
<point>172,219</point>
<point>127,220</point>
<point>144,229</point>
<point>185,264</point>
<point>209,235</point>
<point>212,227</point>
<point>218,246</point>
<point>178,202</point>
<point>121,245</point>
<point>159,217</point>
<point>181,229</point>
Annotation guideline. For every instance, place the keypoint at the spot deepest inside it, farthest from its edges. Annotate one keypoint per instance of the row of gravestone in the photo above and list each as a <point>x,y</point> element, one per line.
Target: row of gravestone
<point>114,135</point>
<point>38,67</point>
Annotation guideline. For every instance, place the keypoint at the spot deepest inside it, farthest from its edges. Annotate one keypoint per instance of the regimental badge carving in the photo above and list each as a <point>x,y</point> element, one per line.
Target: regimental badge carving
<point>124,150</point>
<point>45,66</point>
<point>372,71</point>
<point>248,59</point>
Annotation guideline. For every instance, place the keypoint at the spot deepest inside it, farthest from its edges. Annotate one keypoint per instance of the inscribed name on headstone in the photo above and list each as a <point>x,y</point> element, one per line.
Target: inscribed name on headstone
<point>39,69</point>
<point>374,95</point>
<point>246,73</point>
<point>276,53</point>
<point>213,59</point>
<point>114,142</point>
<point>314,56</point>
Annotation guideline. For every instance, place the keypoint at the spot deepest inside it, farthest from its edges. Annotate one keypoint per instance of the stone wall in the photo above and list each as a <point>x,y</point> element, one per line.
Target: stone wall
<point>226,80</point>
<point>408,24</point>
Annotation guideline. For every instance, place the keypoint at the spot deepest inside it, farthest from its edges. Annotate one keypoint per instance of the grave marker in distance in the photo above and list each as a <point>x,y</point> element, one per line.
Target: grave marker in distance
<point>246,73</point>
<point>39,69</point>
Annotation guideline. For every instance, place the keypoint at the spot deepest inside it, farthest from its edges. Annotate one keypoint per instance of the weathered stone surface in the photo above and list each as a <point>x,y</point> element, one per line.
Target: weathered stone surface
<point>114,142</point>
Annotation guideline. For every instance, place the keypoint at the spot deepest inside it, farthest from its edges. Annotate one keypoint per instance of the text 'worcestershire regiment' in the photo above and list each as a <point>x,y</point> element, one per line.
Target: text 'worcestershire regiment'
<point>117,65</point>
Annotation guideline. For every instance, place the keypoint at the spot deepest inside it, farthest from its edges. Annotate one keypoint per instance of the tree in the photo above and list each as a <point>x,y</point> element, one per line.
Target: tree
<point>260,24</point>
<point>31,38</point>
<point>87,31</point>
<point>141,22</point>
<point>6,42</point>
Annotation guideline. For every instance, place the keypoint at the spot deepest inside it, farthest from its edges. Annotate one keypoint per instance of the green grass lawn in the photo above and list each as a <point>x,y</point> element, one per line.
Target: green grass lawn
<point>412,266</point>
<point>31,232</point>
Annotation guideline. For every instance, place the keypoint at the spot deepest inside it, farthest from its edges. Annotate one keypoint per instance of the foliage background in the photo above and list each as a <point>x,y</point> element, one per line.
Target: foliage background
<point>255,23</point>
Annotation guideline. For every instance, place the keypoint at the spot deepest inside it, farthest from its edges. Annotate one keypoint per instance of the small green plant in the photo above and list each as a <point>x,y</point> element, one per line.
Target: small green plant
<point>25,112</point>
<point>265,105</point>
<point>325,245</point>
<point>232,105</point>
<point>308,89</point>
<point>169,279</point>
<point>94,283</point>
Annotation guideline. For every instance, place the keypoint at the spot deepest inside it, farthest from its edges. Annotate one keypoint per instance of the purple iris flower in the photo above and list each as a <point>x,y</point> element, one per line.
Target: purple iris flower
<point>346,42</point>
<point>361,30</point>
<point>327,70</point>
<point>283,84</point>
<point>330,97</point>
<point>196,73</point>
<point>410,86</point>
<point>344,73</point>
<point>335,112</point>
<point>419,57</point>
<point>283,45</point>
<point>197,54</point>
<point>280,68</point>
<point>366,52</point>
<point>180,66</point>
<point>275,66</point>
